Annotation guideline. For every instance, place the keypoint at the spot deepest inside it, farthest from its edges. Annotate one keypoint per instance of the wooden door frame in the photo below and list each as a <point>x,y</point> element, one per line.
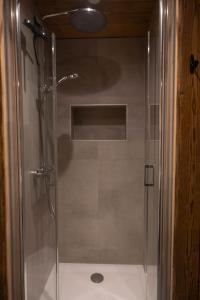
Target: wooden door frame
<point>11,282</point>
<point>180,185</point>
<point>186,251</point>
<point>3,200</point>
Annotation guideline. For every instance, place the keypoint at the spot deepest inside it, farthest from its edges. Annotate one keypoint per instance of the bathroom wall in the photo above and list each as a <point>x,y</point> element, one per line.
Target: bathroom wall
<point>38,227</point>
<point>101,182</point>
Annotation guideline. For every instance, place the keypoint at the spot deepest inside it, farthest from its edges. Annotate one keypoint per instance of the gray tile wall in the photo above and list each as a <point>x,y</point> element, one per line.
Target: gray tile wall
<point>100,183</point>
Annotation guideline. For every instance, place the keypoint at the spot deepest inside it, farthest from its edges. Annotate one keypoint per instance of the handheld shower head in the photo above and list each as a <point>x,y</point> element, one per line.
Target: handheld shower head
<point>36,27</point>
<point>38,31</point>
<point>67,77</point>
<point>46,88</point>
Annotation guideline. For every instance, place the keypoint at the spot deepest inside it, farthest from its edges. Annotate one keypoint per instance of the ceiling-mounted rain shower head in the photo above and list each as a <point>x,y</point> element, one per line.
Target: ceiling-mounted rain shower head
<point>88,20</point>
<point>84,19</point>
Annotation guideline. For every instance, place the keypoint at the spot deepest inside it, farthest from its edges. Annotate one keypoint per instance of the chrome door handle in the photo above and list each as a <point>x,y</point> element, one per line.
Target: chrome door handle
<point>149,175</point>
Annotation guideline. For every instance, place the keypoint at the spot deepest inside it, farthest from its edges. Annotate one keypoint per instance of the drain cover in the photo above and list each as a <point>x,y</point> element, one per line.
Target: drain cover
<point>97,277</point>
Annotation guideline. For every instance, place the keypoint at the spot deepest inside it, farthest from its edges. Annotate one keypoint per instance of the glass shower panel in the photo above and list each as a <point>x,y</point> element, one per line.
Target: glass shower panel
<point>39,162</point>
<point>50,167</point>
<point>152,167</point>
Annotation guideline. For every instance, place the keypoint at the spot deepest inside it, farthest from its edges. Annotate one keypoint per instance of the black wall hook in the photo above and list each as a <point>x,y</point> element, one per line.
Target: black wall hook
<point>193,64</point>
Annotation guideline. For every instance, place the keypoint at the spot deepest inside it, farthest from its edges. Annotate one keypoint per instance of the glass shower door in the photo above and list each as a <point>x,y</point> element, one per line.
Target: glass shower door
<point>38,151</point>
<point>152,167</point>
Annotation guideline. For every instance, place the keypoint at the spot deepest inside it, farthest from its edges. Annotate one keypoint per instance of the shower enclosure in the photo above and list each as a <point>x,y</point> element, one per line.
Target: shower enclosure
<point>91,159</point>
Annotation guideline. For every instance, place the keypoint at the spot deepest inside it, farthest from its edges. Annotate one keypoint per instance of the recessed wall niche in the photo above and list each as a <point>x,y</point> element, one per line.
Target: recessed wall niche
<point>98,122</point>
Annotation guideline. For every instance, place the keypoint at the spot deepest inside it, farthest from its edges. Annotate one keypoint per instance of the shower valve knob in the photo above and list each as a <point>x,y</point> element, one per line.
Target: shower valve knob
<point>42,171</point>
